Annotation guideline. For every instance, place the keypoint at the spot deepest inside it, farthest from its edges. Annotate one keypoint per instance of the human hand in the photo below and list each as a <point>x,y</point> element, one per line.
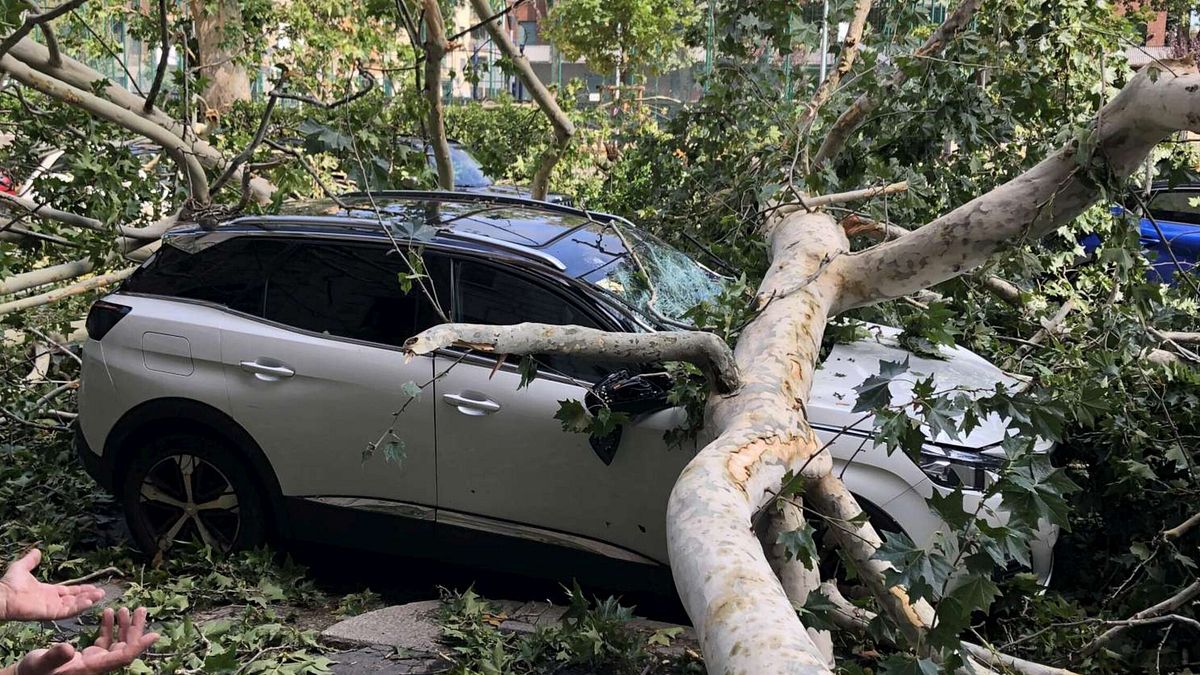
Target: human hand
<point>24,598</point>
<point>104,656</point>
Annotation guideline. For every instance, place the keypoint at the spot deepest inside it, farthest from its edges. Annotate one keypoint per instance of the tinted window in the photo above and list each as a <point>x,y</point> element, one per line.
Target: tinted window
<point>348,291</point>
<point>491,295</point>
<point>231,273</point>
<point>1176,206</point>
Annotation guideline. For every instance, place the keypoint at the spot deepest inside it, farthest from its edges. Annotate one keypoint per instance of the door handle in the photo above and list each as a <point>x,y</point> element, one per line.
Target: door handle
<point>470,406</point>
<point>266,372</point>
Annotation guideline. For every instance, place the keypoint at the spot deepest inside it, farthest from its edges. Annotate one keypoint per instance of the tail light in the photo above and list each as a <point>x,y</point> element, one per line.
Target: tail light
<point>103,316</point>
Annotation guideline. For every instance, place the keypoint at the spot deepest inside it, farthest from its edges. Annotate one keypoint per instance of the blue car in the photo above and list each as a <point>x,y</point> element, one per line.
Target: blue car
<point>1170,234</point>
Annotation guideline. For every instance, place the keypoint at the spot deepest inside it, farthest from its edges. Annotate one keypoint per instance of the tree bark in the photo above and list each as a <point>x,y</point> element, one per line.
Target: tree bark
<point>1158,101</point>
<point>215,24</point>
<point>436,48</point>
<point>564,129</point>
<point>854,116</point>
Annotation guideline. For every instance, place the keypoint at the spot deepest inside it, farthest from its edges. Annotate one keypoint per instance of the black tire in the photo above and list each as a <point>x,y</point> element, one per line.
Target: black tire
<point>225,509</point>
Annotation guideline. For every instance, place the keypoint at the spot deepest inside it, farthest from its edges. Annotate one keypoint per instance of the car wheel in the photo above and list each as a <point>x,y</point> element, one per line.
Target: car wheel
<point>182,488</point>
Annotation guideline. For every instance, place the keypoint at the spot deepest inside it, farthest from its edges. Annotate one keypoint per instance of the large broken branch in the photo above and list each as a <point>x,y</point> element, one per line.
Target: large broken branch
<point>179,151</point>
<point>705,350</point>
<point>80,76</point>
<point>1160,100</point>
<point>91,284</point>
<point>564,129</point>
<point>864,105</point>
<point>32,20</point>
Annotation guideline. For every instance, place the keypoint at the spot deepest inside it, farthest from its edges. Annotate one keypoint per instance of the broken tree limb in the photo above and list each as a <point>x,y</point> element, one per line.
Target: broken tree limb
<point>99,281</point>
<point>564,129</point>
<point>77,74</point>
<point>45,275</point>
<point>436,47</point>
<point>1153,614</point>
<point>846,58</point>
<point>864,105</point>
<point>1178,336</point>
<point>33,20</point>
<point>797,579</point>
<point>842,197</point>
<point>1157,102</point>
<point>705,350</point>
<point>1182,528</point>
<point>80,98</point>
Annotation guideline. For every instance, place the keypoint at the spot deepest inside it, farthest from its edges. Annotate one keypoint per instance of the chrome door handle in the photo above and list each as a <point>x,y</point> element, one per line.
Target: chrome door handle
<point>266,372</point>
<point>470,406</point>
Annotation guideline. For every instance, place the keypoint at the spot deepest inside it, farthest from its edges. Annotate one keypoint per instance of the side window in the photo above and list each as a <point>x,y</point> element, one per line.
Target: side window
<point>349,291</point>
<point>231,273</point>
<point>1176,205</point>
<point>490,295</point>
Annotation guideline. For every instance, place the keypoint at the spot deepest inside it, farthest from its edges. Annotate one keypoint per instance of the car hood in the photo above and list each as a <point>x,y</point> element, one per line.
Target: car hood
<point>849,365</point>
<point>517,191</point>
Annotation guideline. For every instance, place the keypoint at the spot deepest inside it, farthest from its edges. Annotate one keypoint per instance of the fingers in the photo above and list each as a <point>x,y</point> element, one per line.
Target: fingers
<point>105,638</point>
<point>27,562</point>
<point>46,661</point>
<point>123,620</point>
<point>133,633</point>
<point>76,599</point>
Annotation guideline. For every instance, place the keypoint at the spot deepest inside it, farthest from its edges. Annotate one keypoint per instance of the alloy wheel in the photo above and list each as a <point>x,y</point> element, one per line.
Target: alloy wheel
<point>184,497</point>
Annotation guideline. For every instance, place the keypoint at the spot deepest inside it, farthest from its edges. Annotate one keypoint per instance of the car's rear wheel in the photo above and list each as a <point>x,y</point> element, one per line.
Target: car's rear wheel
<point>183,488</point>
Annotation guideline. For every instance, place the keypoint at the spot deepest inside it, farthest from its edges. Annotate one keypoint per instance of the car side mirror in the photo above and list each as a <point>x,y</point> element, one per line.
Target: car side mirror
<point>631,394</point>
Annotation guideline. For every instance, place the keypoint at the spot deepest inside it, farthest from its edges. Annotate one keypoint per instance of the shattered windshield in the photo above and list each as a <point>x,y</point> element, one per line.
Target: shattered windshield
<point>679,283</point>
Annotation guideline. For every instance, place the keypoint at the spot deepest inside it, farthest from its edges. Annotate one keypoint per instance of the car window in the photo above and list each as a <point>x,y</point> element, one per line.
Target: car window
<point>349,291</point>
<point>1176,205</point>
<point>489,294</point>
<point>231,273</point>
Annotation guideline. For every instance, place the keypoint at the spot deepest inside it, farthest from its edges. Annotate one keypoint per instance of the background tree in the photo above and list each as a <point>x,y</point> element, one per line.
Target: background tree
<point>628,38</point>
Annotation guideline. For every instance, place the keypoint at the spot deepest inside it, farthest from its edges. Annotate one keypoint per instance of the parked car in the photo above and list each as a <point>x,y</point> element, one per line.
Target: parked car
<point>1169,234</point>
<point>232,385</point>
<point>470,176</point>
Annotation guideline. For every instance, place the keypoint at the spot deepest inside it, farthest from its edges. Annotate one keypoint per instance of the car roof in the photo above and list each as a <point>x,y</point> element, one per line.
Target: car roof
<point>573,241</point>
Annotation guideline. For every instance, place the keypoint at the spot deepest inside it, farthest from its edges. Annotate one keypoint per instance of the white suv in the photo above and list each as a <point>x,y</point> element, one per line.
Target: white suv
<point>232,386</point>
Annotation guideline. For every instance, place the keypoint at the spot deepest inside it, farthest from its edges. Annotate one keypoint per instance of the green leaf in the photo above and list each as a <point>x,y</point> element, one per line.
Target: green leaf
<point>574,417</point>
<point>874,393</point>
<point>528,368</point>
<point>410,389</point>
<point>798,544</point>
<point>395,452</point>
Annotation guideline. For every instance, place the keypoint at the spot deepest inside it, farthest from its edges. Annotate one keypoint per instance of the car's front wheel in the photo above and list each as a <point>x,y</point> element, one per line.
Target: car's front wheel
<point>183,488</point>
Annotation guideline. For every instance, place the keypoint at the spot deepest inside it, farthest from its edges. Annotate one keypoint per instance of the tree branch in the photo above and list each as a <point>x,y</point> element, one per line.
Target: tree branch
<point>1182,528</point>
<point>1148,615</point>
<point>846,58</point>
<point>1153,105</point>
<point>864,105</point>
<point>91,284</point>
<point>436,47</point>
<point>180,151</point>
<point>161,71</point>
<point>705,350</point>
<point>45,275</point>
<point>33,20</point>
<point>564,129</point>
<point>82,77</point>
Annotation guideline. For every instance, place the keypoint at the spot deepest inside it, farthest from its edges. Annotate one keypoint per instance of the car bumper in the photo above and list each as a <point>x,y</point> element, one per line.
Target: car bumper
<point>93,462</point>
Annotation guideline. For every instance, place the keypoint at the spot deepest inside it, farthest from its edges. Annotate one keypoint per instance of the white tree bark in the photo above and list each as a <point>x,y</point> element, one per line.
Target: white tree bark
<point>705,350</point>
<point>436,48</point>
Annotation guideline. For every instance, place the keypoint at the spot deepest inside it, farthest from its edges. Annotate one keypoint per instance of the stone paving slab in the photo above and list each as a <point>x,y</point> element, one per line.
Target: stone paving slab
<point>413,630</point>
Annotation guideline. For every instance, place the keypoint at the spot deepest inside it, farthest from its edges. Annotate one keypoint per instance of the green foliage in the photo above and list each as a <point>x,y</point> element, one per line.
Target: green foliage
<point>593,636</point>
<point>627,35</point>
<point>599,423</point>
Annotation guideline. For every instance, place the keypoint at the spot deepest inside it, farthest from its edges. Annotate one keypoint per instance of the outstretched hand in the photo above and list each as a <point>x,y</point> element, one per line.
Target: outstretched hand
<point>24,598</point>
<point>104,656</point>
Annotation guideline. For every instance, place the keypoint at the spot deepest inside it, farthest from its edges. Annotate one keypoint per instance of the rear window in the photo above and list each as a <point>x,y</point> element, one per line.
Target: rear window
<point>343,290</point>
<point>1179,206</point>
<point>232,273</point>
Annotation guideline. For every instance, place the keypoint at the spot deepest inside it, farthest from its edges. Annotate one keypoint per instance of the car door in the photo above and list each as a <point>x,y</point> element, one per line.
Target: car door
<point>506,465</point>
<point>318,380</point>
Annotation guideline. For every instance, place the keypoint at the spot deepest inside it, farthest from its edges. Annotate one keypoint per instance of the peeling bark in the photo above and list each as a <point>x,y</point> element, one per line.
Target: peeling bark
<point>1154,104</point>
<point>705,350</point>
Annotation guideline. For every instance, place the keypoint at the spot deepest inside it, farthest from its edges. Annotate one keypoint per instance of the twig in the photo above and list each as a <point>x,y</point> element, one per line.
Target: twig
<point>107,571</point>
<point>1182,528</point>
<point>1163,611</point>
